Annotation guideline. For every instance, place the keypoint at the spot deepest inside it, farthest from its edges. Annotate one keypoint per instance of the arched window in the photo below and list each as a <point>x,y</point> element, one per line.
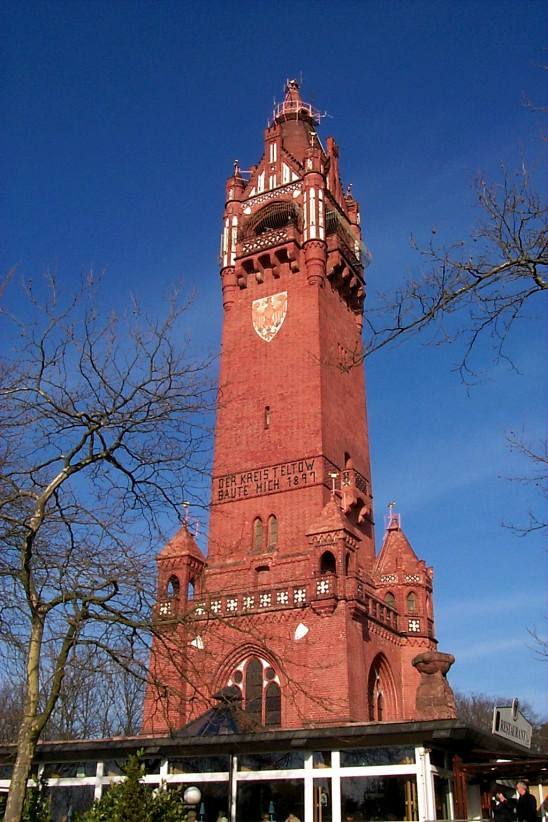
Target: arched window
<point>272,531</point>
<point>273,704</point>
<point>373,691</point>
<point>381,693</point>
<point>259,685</point>
<point>347,565</point>
<point>191,589</point>
<point>173,587</point>
<point>272,216</point>
<point>411,603</point>
<point>390,599</point>
<point>258,533</point>
<point>328,564</point>
<point>254,688</point>
<point>380,706</point>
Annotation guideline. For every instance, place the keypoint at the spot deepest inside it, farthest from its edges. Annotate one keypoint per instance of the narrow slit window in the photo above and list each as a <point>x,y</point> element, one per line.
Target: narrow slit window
<point>411,603</point>
<point>267,417</point>
<point>258,533</point>
<point>272,531</point>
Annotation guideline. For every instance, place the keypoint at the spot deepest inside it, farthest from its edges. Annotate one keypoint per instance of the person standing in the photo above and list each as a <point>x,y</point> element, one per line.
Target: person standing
<point>503,810</point>
<point>526,806</point>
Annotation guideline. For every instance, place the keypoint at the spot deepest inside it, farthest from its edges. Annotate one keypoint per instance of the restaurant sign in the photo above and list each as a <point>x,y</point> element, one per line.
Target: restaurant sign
<point>509,722</point>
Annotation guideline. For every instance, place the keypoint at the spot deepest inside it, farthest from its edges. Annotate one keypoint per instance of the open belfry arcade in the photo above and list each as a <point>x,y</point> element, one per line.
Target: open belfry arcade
<point>293,610</point>
<point>294,672</point>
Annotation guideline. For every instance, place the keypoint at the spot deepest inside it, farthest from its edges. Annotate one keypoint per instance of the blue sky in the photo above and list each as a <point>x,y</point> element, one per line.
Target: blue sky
<point>120,124</point>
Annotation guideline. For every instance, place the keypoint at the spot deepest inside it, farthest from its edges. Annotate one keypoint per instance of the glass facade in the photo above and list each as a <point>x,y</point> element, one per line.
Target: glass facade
<point>195,764</point>
<point>66,802</point>
<point>397,783</point>
<point>393,755</point>
<point>379,798</point>
<point>277,797</point>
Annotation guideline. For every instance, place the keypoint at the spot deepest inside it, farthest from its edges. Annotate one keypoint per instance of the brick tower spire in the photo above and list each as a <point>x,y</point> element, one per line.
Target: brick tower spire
<point>291,606</point>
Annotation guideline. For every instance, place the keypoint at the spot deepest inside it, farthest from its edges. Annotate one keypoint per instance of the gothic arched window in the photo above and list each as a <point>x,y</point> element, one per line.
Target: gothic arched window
<point>272,531</point>
<point>381,693</point>
<point>411,603</point>
<point>328,563</point>
<point>254,688</point>
<point>258,533</point>
<point>191,588</point>
<point>390,599</point>
<point>260,688</point>
<point>273,704</point>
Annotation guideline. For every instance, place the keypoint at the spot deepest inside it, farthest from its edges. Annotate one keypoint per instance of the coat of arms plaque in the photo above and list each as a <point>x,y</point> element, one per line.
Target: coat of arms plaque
<point>268,314</point>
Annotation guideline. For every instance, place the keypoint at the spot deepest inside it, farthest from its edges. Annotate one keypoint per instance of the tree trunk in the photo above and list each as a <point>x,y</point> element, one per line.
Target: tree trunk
<point>29,731</point>
<point>26,747</point>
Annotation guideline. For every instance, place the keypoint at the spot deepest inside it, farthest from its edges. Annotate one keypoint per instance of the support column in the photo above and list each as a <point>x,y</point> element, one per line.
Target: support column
<point>425,785</point>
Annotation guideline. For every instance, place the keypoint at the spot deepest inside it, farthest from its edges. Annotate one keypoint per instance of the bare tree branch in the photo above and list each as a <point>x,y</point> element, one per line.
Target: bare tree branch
<point>101,433</point>
<point>473,289</point>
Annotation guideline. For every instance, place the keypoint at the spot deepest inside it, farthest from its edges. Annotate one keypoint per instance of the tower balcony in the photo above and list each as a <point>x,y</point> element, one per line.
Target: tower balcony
<point>269,239</point>
<point>297,594</point>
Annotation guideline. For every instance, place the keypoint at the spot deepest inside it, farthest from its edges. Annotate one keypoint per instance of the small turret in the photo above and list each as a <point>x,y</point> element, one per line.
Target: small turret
<point>180,567</point>
<point>405,580</point>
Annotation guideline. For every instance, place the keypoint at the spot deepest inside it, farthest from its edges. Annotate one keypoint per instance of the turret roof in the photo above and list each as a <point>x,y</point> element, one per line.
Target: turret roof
<point>182,544</point>
<point>396,552</point>
<point>332,518</point>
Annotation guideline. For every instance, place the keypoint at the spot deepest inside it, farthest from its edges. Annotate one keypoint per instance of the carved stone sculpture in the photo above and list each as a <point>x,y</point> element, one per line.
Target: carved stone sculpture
<point>435,699</point>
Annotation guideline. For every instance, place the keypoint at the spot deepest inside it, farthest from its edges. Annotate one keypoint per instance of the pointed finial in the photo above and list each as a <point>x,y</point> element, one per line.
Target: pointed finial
<point>236,172</point>
<point>391,520</point>
<point>292,89</point>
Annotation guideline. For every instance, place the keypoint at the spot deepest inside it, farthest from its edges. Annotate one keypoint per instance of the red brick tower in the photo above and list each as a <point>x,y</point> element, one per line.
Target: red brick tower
<point>292,610</point>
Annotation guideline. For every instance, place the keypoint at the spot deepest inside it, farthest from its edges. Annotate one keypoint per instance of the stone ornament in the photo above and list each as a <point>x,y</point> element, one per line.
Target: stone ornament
<point>435,699</point>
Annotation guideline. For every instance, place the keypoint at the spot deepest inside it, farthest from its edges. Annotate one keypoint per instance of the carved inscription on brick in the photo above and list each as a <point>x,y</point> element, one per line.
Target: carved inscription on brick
<point>268,480</point>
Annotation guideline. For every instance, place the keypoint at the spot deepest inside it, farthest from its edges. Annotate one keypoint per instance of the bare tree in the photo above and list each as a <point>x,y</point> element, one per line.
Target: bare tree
<point>11,709</point>
<point>102,440</point>
<point>475,288</point>
<point>536,477</point>
<point>97,699</point>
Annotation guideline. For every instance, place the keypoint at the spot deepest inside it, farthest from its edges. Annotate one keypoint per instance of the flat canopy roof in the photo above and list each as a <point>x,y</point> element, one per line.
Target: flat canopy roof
<point>473,745</point>
<point>533,769</point>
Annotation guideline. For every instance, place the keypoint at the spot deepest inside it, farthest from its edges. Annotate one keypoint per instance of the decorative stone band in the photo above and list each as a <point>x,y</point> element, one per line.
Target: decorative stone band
<point>409,579</point>
<point>299,594</point>
<point>293,188</point>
